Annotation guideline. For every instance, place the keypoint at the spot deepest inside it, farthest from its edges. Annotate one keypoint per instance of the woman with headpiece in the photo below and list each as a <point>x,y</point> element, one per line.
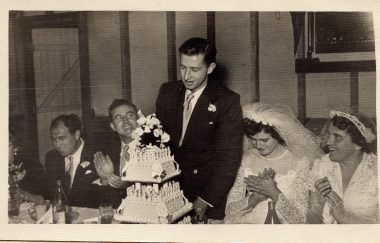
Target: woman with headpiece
<point>275,169</point>
<point>344,184</point>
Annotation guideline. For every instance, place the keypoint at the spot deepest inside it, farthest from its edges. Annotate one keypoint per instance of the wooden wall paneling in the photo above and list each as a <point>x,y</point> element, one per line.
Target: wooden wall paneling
<point>30,94</point>
<point>84,75</point>
<point>211,27</point>
<point>125,56</point>
<point>255,55</point>
<point>171,46</point>
<point>301,81</point>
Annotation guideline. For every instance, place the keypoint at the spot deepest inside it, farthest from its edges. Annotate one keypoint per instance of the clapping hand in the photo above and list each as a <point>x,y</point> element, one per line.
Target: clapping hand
<point>104,168</point>
<point>268,173</point>
<point>103,164</point>
<point>263,184</point>
<point>323,188</point>
<point>337,206</point>
<point>115,181</point>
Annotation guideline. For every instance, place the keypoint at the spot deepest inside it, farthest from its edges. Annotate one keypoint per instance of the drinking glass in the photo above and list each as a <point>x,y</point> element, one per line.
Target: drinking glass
<point>106,213</point>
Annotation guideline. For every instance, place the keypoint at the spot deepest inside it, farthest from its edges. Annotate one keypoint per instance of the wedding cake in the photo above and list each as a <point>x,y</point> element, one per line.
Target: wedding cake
<point>149,204</point>
<point>152,164</point>
<point>153,198</point>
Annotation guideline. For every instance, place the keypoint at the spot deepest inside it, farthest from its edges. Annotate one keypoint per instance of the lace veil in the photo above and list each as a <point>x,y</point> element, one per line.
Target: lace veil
<point>298,139</point>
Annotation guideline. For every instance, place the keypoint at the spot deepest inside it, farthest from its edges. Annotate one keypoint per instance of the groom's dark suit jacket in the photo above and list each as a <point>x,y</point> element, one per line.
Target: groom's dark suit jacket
<point>211,149</point>
<point>82,193</point>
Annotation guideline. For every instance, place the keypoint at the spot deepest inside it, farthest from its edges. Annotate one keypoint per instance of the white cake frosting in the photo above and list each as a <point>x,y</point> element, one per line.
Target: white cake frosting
<point>150,204</point>
<point>151,164</point>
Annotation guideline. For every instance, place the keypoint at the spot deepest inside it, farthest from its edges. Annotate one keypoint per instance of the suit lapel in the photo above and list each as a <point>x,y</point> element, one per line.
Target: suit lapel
<point>59,170</point>
<point>80,171</point>
<point>116,150</point>
<point>200,110</point>
<point>179,114</point>
<point>60,166</point>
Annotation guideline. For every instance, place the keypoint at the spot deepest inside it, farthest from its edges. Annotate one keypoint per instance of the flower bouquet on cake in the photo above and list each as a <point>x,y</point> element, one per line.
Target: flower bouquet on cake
<point>151,160</point>
<point>149,132</point>
<point>153,198</point>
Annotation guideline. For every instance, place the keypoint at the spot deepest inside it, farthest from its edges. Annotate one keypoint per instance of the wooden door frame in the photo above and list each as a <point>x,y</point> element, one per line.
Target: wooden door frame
<point>23,27</point>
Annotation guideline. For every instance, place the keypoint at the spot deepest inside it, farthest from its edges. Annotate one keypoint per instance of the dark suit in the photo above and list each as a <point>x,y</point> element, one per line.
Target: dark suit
<point>110,194</point>
<point>211,149</point>
<point>82,193</point>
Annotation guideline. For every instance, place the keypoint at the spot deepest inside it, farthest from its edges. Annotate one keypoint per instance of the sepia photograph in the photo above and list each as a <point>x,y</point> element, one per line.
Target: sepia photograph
<point>142,118</point>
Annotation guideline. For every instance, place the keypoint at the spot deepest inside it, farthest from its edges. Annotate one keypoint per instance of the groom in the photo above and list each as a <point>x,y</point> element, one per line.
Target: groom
<point>204,121</point>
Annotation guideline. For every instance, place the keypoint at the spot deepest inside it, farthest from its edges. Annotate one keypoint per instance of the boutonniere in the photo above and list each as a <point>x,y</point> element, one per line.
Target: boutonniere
<point>211,107</point>
<point>84,164</point>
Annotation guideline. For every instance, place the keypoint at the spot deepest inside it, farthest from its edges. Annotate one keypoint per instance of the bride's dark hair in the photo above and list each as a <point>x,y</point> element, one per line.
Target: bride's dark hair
<point>251,128</point>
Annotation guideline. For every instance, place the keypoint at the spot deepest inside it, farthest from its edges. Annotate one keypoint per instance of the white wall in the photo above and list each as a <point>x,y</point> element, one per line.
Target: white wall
<point>278,80</point>
<point>367,93</point>
<point>326,91</point>
<point>105,59</point>
<point>232,34</point>
<point>189,24</point>
<point>148,49</point>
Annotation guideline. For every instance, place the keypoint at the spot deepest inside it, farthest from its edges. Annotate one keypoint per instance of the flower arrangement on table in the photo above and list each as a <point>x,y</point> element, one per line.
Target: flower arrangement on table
<point>15,193</point>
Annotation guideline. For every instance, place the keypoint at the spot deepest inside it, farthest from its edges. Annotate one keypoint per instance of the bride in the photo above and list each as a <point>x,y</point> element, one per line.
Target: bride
<point>275,169</point>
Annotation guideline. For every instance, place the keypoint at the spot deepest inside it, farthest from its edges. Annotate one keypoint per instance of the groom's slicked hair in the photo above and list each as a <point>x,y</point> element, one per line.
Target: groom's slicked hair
<point>196,45</point>
<point>119,102</point>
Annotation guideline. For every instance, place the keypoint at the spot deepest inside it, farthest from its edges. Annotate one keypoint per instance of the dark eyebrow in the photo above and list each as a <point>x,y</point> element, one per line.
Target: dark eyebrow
<point>56,137</point>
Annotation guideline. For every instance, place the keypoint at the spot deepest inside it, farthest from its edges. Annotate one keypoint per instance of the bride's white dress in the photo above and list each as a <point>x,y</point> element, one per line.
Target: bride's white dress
<point>361,198</point>
<point>292,176</point>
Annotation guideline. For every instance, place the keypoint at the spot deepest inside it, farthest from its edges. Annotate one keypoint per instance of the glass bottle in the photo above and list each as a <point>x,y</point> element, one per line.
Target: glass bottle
<point>272,217</point>
<point>60,206</point>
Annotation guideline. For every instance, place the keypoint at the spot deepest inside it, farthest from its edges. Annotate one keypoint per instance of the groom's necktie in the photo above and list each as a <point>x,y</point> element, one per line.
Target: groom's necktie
<point>187,109</point>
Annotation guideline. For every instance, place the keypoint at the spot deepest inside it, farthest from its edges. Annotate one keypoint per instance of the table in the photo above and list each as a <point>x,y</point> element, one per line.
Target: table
<point>82,214</point>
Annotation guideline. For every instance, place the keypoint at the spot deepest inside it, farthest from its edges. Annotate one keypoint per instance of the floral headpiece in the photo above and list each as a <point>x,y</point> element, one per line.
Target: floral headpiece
<point>258,118</point>
<point>149,131</point>
<point>365,131</point>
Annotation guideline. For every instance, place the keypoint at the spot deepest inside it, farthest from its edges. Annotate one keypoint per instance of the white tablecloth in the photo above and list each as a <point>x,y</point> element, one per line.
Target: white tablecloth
<point>24,218</point>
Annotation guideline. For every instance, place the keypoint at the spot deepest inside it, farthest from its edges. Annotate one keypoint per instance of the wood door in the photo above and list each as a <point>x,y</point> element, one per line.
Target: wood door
<point>57,79</point>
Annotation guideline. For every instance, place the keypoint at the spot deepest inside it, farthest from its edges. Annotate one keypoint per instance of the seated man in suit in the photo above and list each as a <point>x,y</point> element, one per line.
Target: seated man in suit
<point>110,162</point>
<point>71,161</point>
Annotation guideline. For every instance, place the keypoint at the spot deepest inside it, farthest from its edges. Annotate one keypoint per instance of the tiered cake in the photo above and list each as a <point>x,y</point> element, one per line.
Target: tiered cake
<point>151,165</point>
<point>148,204</point>
<point>150,200</point>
